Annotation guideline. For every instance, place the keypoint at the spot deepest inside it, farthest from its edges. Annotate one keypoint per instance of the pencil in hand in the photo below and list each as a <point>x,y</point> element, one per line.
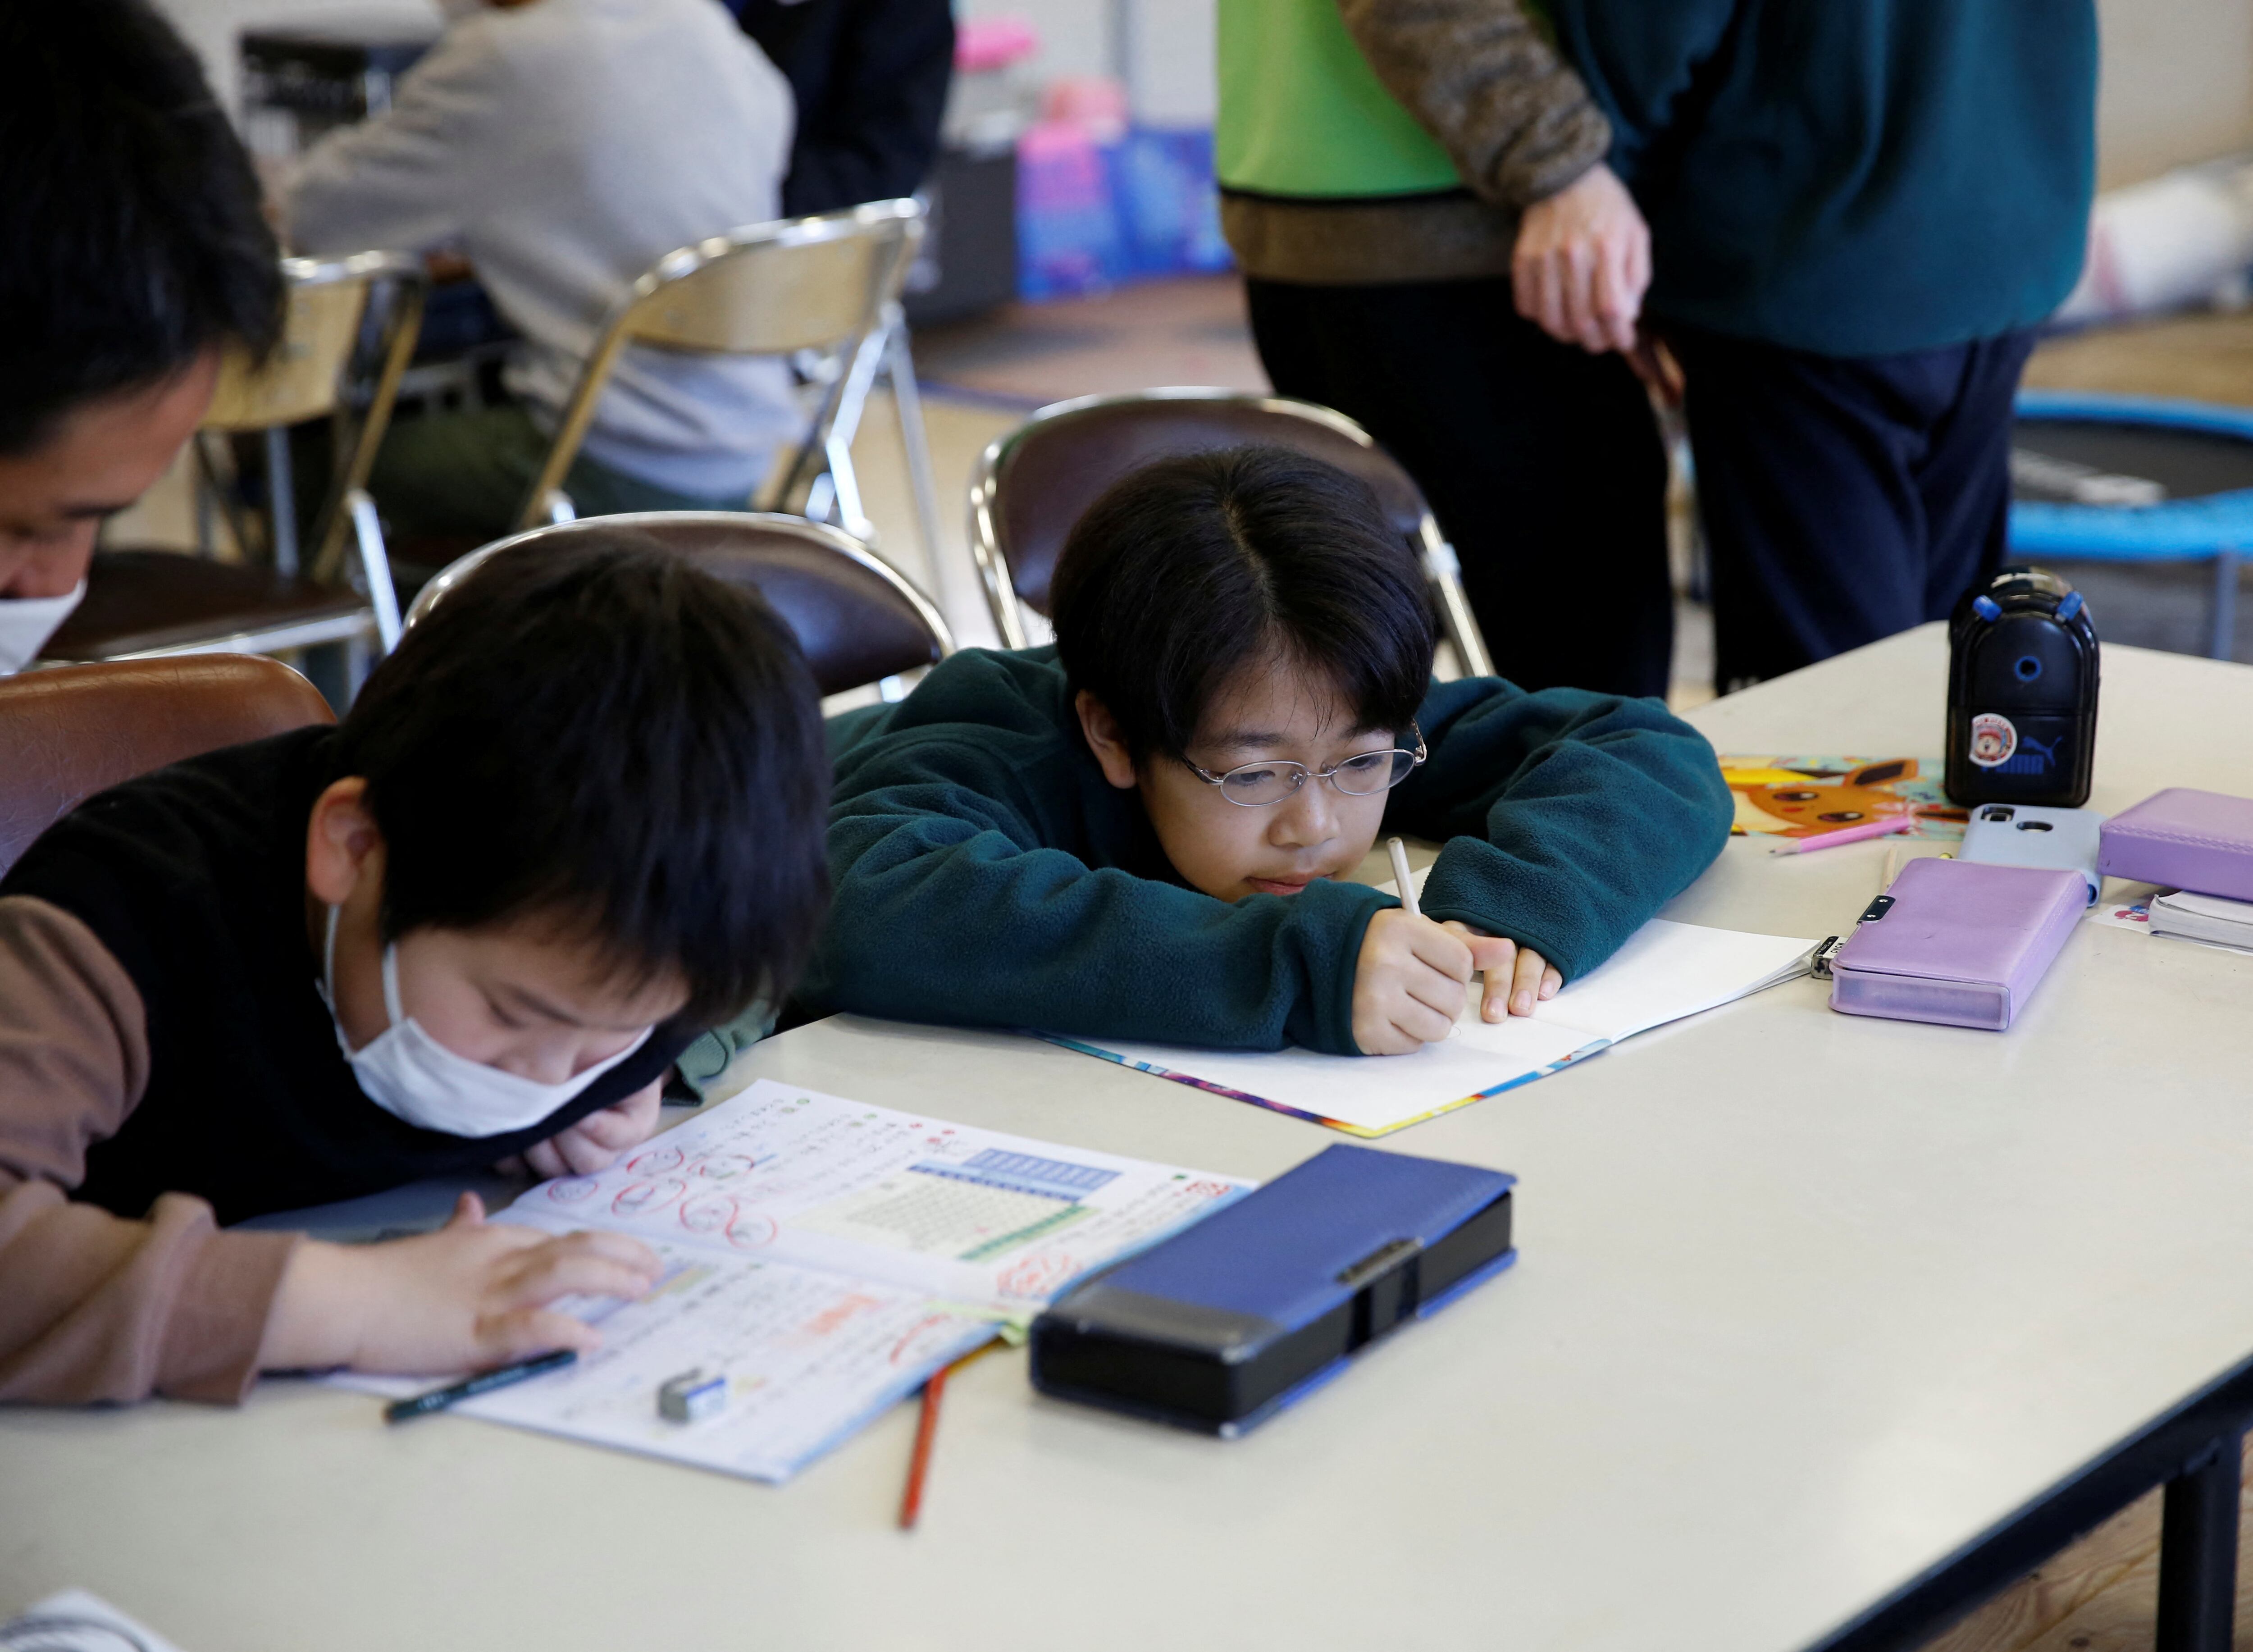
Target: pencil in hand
<point>1401,881</point>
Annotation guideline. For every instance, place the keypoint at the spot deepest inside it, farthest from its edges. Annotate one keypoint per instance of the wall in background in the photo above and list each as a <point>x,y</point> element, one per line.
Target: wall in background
<point>2178,74</point>
<point>2178,84</point>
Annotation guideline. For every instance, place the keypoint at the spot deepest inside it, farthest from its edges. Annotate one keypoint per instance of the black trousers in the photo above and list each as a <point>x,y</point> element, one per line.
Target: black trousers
<point>1844,497</point>
<point>1542,463</point>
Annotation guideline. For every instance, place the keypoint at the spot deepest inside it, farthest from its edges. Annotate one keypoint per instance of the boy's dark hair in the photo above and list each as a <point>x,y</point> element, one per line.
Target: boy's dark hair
<point>131,238</point>
<point>605,732</point>
<point>1190,568</point>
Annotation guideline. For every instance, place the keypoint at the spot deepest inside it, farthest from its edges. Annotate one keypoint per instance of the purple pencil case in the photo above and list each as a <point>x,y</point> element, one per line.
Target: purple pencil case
<point>2197,840</point>
<point>1957,943</point>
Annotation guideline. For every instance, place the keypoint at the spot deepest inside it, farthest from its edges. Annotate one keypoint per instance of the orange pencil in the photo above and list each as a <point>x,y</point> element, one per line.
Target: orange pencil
<point>927,1431</point>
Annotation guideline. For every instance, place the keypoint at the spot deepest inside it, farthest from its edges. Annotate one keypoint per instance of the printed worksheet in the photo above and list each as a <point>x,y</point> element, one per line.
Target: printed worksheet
<point>825,1256</point>
<point>787,1175</point>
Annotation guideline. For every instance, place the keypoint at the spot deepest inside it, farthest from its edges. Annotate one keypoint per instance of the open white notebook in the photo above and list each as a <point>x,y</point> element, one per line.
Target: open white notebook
<point>826,1257</point>
<point>1664,972</point>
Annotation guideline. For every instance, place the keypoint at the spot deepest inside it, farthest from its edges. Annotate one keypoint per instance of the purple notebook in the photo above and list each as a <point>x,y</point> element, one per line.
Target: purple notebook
<point>1956,943</point>
<point>2197,840</point>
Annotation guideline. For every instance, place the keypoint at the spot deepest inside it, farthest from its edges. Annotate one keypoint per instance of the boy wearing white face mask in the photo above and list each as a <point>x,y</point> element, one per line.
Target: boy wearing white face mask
<point>135,251</point>
<point>574,820</point>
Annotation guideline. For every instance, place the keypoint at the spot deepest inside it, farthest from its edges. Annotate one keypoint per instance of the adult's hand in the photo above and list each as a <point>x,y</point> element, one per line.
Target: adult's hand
<point>1582,263</point>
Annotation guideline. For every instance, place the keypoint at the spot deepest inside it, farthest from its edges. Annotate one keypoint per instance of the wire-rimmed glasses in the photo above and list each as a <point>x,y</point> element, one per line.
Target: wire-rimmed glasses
<point>1259,785</point>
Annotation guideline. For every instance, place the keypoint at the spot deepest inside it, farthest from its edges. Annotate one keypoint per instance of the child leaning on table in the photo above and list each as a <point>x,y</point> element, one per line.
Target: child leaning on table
<point>1144,831</point>
<point>572,821</point>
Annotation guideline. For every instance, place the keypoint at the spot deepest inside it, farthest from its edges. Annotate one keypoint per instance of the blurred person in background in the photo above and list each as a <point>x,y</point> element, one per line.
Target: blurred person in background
<point>870,77</point>
<point>1859,215</point>
<point>1399,179</point>
<point>562,148</point>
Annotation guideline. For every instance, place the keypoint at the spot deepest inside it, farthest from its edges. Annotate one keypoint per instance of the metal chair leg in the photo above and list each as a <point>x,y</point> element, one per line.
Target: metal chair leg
<point>2222,610</point>
<point>375,566</point>
<point>282,499</point>
<point>907,403</point>
<point>845,487</point>
<point>1445,571</point>
<point>218,489</point>
<point>837,444</point>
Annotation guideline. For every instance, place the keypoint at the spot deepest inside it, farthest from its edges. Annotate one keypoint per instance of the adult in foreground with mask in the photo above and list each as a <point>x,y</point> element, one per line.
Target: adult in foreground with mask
<point>132,252</point>
<point>572,821</point>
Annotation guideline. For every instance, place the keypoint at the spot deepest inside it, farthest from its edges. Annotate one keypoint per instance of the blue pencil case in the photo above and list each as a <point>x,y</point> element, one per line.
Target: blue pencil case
<point>1221,1327</point>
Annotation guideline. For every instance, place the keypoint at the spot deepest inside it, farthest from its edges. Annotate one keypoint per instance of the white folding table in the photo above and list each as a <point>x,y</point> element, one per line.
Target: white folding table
<point>1823,1328</point>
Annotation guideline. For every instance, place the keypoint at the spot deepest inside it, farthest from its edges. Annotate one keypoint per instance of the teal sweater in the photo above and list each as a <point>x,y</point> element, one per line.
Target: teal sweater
<point>986,872</point>
<point>1850,177</point>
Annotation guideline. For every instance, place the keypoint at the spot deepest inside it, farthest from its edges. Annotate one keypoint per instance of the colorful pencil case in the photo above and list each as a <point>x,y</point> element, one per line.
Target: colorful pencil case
<point>1956,943</point>
<point>1221,1327</point>
<point>2197,840</point>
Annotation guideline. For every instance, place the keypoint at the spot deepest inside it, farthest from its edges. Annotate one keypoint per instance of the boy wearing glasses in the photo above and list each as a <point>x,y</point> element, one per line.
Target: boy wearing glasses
<point>1145,831</point>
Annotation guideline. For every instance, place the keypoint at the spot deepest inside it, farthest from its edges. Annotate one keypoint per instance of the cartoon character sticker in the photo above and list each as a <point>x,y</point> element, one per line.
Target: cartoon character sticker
<point>1994,738</point>
<point>1806,796</point>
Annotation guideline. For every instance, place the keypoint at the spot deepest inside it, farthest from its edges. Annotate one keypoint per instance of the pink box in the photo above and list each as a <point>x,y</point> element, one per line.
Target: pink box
<point>2197,840</point>
<point>1956,943</point>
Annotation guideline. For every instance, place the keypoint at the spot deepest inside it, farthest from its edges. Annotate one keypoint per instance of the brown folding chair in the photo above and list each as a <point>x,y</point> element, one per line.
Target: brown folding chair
<point>71,732</point>
<point>1033,485</point>
<point>143,603</point>
<point>857,619</point>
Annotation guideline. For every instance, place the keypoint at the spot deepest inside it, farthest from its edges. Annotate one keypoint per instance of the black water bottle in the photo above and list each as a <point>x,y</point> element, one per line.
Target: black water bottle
<point>2021,693</point>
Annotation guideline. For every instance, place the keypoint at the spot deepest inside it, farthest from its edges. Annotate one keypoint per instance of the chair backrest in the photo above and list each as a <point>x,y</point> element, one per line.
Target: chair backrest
<point>68,733</point>
<point>766,289</point>
<point>328,302</point>
<point>858,621</point>
<point>1034,483</point>
<point>799,283</point>
<point>305,375</point>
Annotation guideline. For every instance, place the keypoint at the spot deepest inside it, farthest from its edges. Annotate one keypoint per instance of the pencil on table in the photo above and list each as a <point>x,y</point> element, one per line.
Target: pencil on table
<point>927,1431</point>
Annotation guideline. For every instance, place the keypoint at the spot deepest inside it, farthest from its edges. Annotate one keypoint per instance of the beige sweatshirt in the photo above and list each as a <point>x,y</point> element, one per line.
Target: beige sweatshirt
<point>1484,78</point>
<point>94,1307</point>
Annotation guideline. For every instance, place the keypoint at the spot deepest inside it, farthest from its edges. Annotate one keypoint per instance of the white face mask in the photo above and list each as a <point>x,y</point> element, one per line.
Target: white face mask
<point>412,1076</point>
<point>27,621</point>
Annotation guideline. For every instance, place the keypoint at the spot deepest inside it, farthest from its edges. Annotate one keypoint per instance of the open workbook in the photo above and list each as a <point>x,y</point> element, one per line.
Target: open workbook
<point>1664,972</point>
<point>827,1257</point>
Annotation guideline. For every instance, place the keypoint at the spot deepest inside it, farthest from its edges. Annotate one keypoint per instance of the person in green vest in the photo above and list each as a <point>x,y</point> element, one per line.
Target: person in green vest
<point>1859,213</point>
<point>1417,196</point>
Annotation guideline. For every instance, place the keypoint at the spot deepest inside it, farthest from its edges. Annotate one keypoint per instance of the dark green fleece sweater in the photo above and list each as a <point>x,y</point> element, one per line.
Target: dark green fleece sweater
<point>986,872</point>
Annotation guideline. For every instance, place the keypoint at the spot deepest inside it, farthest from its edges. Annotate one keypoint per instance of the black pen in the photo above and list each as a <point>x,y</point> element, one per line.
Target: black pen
<point>484,1382</point>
